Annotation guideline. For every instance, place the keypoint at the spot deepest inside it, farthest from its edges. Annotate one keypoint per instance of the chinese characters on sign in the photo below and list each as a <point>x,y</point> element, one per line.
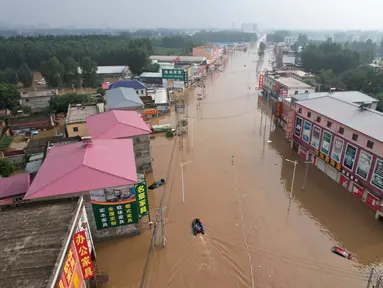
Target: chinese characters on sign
<point>142,199</point>
<point>114,215</point>
<point>69,266</point>
<point>261,79</point>
<point>174,74</point>
<point>290,124</point>
<point>83,253</point>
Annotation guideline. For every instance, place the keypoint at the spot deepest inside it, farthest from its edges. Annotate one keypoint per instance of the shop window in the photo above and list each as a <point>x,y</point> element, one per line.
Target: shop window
<point>300,110</point>
<point>319,119</point>
<point>75,129</point>
<point>329,123</point>
<point>308,114</point>
<point>136,91</point>
<point>370,144</point>
<point>354,137</point>
<point>341,130</point>
<point>296,92</point>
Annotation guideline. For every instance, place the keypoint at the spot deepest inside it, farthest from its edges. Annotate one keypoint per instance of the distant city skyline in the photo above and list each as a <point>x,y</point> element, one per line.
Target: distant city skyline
<point>122,14</point>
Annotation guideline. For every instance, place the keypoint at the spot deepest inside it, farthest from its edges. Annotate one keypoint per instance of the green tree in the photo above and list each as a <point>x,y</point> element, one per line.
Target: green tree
<point>53,72</point>
<point>60,104</point>
<point>71,74</point>
<point>101,91</point>
<point>89,72</point>
<point>327,79</point>
<point>152,67</point>
<point>6,167</point>
<point>9,96</point>
<point>25,75</point>
<point>10,76</point>
<point>379,97</point>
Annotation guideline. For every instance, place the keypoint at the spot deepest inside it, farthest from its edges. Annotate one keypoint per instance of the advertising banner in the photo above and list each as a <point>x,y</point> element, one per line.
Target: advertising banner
<point>337,149</point>
<point>83,253</point>
<point>71,275</point>
<point>261,79</point>
<point>113,207</point>
<point>283,93</point>
<point>349,157</point>
<point>372,201</point>
<point>174,74</point>
<point>315,139</point>
<point>142,198</point>
<point>377,176</point>
<point>298,126</point>
<point>326,142</point>
<point>357,190</point>
<point>344,181</point>
<point>290,124</point>
<point>364,165</point>
<point>306,131</point>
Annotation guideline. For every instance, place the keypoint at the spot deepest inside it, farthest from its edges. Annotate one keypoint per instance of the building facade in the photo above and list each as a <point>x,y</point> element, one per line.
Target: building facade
<point>290,40</point>
<point>37,100</point>
<point>344,141</point>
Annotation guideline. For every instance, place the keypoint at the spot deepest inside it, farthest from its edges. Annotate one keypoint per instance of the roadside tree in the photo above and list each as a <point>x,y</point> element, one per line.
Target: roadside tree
<point>89,72</point>
<point>9,96</point>
<point>53,71</point>
<point>6,167</point>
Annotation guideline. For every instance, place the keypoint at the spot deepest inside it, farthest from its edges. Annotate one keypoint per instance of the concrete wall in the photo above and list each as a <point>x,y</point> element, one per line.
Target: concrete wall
<point>36,103</point>
<point>81,127</point>
<point>143,153</point>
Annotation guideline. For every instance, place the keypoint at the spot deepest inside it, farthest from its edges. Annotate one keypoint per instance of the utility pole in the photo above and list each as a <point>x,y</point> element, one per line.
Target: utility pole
<point>307,168</point>
<point>292,181</point>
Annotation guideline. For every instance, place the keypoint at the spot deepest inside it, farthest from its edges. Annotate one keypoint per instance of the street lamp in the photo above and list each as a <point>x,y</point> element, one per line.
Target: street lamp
<point>307,168</point>
<point>182,180</point>
<point>292,182</point>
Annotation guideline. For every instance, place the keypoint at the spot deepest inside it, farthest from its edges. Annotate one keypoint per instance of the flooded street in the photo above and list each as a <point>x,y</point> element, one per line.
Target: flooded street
<point>255,236</point>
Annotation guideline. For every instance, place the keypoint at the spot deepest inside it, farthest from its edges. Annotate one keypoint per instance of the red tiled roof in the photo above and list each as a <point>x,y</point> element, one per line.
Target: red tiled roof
<point>81,167</point>
<point>14,185</point>
<point>116,124</point>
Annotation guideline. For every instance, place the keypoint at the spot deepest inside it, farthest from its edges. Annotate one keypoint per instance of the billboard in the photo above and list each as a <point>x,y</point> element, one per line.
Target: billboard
<point>142,198</point>
<point>113,207</point>
<point>83,253</point>
<point>290,124</point>
<point>72,274</point>
<point>174,74</point>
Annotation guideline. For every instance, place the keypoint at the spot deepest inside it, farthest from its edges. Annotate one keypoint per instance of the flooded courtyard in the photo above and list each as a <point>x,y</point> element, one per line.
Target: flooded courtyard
<point>255,235</point>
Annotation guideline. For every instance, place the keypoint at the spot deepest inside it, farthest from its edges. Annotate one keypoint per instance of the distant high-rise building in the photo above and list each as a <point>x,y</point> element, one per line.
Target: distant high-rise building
<point>249,27</point>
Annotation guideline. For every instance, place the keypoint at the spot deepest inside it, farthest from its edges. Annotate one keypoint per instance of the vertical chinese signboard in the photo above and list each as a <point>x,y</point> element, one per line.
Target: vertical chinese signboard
<point>142,199</point>
<point>290,124</point>
<point>114,207</point>
<point>83,254</point>
<point>278,109</point>
<point>71,275</point>
<point>261,79</point>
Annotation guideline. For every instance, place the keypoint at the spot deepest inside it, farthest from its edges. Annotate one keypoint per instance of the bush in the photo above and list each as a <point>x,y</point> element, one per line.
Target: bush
<point>5,142</point>
<point>6,167</point>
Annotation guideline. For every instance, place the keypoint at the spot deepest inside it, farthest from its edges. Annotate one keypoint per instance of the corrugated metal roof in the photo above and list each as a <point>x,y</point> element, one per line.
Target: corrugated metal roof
<point>181,58</point>
<point>107,69</point>
<point>135,84</point>
<point>151,75</point>
<point>368,122</point>
<point>347,96</point>
<point>123,98</point>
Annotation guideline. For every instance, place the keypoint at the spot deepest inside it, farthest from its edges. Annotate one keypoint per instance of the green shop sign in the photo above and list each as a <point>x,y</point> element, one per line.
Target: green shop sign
<point>114,214</point>
<point>142,199</point>
<point>174,74</point>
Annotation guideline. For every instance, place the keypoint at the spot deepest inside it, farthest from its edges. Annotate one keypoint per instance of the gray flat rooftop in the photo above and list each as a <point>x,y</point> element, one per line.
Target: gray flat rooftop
<point>79,113</point>
<point>368,122</point>
<point>347,96</point>
<point>290,82</point>
<point>182,58</point>
<point>31,240</point>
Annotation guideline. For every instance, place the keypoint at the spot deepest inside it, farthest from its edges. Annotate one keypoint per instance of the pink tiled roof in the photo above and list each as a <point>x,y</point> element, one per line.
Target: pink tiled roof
<point>81,167</point>
<point>14,185</point>
<point>116,124</point>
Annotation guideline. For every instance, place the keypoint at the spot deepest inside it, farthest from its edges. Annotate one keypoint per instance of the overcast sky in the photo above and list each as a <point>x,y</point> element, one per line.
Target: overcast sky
<point>289,14</point>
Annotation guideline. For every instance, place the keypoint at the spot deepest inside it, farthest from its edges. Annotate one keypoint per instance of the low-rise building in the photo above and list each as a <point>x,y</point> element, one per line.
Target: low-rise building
<point>40,245</point>
<point>290,40</point>
<point>345,141</point>
<point>117,124</point>
<point>75,122</point>
<point>138,86</point>
<point>106,73</point>
<point>280,85</point>
<point>124,99</point>
<point>210,51</point>
<point>37,100</point>
<point>179,59</point>
<point>22,125</point>
<point>151,78</point>
<point>103,171</point>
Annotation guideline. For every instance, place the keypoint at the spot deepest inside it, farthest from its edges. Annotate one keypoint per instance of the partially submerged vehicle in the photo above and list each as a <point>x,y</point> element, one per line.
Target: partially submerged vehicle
<point>198,226</point>
<point>161,128</point>
<point>157,184</point>
<point>342,252</point>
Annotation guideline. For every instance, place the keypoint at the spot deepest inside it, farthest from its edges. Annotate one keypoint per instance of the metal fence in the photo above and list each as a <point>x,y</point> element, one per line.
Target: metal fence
<point>375,280</point>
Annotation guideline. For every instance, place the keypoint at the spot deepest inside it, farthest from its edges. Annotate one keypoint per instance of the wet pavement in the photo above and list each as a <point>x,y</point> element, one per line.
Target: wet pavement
<point>255,236</point>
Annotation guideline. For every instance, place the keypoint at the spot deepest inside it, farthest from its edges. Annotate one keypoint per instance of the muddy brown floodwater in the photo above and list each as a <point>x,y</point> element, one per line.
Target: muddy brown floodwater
<point>255,236</point>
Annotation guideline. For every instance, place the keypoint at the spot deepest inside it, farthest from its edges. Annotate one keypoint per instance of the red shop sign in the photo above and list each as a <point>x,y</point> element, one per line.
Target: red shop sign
<point>83,253</point>
<point>357,190</point>
<point>372,201</point>
<point>344,181</point>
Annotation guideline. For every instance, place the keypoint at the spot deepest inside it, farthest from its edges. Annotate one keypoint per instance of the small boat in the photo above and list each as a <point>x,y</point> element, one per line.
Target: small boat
<point>342,252</point>
<point>157,184</point>
<point>197,226</point>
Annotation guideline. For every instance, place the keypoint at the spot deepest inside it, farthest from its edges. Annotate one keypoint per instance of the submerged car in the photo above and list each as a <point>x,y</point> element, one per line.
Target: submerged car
<point>342,252</point>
